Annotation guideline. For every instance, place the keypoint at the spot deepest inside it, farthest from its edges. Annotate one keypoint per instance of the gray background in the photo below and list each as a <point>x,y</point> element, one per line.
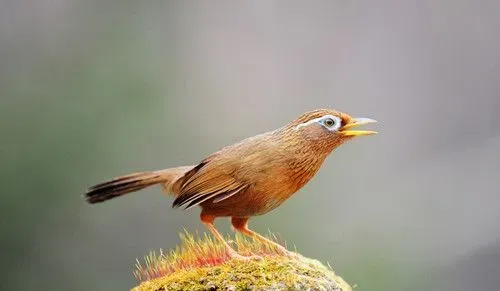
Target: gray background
<point>94,89</point>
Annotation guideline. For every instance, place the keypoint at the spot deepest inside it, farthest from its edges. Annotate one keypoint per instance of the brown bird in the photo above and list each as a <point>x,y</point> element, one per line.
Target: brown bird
<point>248,178</point>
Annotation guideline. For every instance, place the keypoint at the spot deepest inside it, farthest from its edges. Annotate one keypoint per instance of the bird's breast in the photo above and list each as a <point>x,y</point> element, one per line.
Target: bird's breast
<point>284,181</point>
<point>272,174</point>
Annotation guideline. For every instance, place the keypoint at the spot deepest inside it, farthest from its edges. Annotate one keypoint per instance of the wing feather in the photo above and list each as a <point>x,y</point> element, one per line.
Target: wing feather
<point>206,181</point>
<point>226,195</point>
<point>218,197</point>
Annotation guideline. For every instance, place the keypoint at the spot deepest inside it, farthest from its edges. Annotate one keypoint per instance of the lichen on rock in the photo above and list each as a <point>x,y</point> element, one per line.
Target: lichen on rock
<point>202,265</point>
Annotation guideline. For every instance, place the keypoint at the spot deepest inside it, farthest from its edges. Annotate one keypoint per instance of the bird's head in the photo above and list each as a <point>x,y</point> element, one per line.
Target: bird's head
<point>326,129</point>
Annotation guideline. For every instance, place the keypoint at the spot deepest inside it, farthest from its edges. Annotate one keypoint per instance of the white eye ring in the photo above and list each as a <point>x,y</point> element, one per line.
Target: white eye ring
<point>331,122</point>
<point>337,122</point>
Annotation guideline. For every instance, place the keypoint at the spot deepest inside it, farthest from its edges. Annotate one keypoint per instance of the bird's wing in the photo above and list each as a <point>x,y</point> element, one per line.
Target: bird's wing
<point>210,179</point>
<point>226,172</point>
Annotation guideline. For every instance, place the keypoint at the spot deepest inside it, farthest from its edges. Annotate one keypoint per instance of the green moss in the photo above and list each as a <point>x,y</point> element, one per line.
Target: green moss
<point>202,263</point>
<point>274,272</point>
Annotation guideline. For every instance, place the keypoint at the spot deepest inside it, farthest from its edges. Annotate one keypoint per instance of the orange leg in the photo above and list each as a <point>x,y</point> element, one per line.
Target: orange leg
<point>208,220</point>
<point>241,225</point>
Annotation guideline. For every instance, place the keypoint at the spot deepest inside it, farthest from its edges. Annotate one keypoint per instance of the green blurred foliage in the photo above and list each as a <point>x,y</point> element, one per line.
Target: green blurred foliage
<point>59,114</point>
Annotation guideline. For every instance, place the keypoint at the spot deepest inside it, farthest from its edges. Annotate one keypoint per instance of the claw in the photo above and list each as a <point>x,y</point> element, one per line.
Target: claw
<point>236,256</point>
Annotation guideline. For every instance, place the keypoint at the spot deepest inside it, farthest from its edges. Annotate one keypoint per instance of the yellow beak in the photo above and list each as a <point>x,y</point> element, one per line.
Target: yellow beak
<point>355,122</point>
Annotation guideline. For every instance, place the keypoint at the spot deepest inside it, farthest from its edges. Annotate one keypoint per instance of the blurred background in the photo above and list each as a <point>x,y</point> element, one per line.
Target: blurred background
<point>95,89</point>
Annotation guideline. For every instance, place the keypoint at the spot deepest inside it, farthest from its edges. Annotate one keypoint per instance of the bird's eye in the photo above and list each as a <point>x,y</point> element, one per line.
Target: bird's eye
<point>329,122</point>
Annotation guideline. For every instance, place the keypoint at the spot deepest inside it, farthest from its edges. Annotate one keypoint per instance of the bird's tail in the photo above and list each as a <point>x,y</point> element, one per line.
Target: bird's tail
<point>133,182</point>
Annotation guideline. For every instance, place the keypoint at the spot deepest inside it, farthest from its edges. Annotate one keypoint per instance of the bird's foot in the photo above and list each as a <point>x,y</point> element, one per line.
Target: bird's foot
<point>284,252</point>
<point>236,256</point>
<point>290,254</point>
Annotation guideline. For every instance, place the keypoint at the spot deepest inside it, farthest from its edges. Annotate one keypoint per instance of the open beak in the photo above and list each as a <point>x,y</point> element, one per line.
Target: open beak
<point>355,122</point>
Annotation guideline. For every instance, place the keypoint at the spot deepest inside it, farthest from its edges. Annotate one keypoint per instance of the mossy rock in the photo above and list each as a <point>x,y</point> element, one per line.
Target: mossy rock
<point>271,273</point>
<point>203,264</point>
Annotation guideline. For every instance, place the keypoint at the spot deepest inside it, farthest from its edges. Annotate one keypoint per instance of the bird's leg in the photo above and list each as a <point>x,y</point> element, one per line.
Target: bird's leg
<point>241,225</point>
<point>208,220</point>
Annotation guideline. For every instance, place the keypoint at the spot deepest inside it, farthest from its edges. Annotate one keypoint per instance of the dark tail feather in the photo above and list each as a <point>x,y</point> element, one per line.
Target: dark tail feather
<point>123,185</point>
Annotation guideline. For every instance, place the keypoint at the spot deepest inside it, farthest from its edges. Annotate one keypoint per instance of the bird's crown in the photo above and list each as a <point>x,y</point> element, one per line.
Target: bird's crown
<point>319,113</point>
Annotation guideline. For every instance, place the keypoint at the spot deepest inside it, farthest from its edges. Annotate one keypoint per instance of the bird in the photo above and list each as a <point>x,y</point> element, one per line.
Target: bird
<point>248,178</point>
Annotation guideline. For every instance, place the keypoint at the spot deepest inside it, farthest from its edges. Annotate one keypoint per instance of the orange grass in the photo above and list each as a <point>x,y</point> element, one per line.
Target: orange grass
<point>195,252</point>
